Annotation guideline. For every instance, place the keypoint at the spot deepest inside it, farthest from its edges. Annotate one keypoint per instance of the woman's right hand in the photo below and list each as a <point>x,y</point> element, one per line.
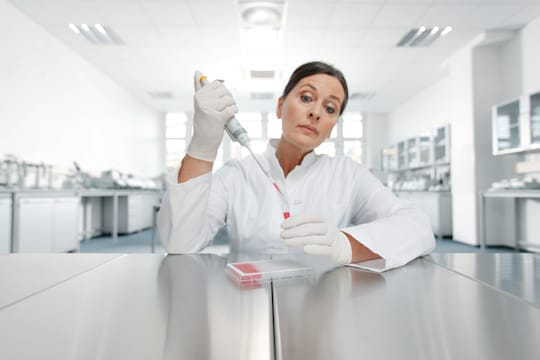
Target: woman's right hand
<point>214,105</point>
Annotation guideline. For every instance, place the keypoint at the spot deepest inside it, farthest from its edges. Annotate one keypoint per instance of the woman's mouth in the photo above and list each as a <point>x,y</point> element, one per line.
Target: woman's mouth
<point>309,129</point>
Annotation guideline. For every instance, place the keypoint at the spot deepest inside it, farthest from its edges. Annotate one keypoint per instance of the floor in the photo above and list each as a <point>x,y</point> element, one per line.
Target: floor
<point>141,242</point>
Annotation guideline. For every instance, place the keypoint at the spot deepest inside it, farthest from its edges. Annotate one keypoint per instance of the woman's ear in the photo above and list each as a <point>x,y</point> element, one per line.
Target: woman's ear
<point>279,106</point>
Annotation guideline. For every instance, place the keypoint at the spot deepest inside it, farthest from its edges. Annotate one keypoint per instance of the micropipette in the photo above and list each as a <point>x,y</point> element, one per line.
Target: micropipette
<point>238,134</point>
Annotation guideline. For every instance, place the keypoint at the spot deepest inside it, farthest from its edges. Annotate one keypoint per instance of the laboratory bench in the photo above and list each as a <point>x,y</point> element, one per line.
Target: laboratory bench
<point>149,306</point>
<point>517,197</point>
<point>50,220</point>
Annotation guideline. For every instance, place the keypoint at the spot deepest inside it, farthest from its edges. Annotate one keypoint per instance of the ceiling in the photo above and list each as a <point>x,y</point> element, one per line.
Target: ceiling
<point>165,41</point>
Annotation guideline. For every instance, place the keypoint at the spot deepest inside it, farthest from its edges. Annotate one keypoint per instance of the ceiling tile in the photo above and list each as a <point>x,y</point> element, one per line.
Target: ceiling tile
<point>223,13</point>
<point>378,38</point>
<point>62,13</point>
<point>199,37</point>
<point>399,15</point>
<point>352,15</point>
<point>123,13</point>
<point>138,35</point>
<point>340,38</point>
<point>308,14</point>
<point>468,15</point>
<point>303,37</point>
<point>169,13</point>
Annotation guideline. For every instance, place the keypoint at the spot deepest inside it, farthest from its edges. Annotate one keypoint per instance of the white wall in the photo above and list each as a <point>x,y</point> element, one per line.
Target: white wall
<point>530,55</point>
<point>462,154</point>
<point>426,111</point>
<point>57,108</point>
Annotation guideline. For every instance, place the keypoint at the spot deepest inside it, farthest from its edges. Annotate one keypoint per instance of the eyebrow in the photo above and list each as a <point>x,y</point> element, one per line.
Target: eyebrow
<point>332,96</point>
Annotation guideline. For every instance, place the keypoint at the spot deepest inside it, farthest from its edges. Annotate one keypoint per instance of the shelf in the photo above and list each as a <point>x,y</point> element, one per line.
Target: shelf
<point>420,167</point>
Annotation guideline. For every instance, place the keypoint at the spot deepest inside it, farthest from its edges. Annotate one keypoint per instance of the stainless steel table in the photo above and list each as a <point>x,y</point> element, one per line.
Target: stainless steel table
<point>142,307</point>
<point>184,307</point>
<point>25,275</point>
<point>512,273</point>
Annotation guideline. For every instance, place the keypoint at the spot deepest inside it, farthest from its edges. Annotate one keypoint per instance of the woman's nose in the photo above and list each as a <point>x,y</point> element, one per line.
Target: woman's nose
<point>314,114</point>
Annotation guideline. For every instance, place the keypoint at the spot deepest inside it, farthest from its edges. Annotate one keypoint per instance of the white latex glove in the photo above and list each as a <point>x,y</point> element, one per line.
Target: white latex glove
<point>318,236</point>
<point>214,105</point>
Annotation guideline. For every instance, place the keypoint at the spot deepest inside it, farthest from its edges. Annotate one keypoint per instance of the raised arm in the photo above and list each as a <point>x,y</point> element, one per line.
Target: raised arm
<point>182,218</point>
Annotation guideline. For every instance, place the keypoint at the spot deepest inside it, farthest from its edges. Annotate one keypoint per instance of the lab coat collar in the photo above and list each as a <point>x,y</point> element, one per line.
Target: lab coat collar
<point>275,168</point>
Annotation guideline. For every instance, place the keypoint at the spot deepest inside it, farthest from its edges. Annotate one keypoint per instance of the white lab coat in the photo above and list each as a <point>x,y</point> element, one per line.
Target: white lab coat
<point>240,198</point>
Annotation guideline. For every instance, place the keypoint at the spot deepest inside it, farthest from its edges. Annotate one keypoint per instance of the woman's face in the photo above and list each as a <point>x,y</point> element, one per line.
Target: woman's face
<point>310,111</point>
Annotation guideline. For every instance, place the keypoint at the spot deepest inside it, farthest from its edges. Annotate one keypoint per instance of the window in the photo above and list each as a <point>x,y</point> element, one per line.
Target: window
<point>346,137</point>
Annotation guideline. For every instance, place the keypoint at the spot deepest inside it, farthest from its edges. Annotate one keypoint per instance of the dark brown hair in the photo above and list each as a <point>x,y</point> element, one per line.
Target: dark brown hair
<point>313,68</point>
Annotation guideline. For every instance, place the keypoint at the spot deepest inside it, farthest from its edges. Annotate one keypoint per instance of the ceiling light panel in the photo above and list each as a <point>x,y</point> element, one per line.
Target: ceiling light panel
<point>423,36</point>
<point>262,14</point>
<point>399,15</point>
<point>262,95</point>
<point>97,34</point>
<point>262,74</point>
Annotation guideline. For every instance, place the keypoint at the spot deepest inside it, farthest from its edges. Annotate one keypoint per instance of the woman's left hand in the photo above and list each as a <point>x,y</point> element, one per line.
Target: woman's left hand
<point>318,236</point>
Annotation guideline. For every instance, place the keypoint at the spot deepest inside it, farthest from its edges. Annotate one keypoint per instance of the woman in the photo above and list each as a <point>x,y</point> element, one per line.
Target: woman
<point>338,208</point>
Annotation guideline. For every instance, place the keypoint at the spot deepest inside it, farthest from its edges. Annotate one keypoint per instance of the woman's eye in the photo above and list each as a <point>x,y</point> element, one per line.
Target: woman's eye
<point>330,110</point>
<point>305,98</point>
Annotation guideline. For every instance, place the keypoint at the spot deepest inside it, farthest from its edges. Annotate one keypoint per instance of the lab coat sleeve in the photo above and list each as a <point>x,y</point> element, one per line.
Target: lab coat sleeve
<point>189,216</point>
<point>388,226</point>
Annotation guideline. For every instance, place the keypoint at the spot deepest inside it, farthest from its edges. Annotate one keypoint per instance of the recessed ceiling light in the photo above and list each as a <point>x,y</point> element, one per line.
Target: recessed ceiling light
<point>446,30</point>
<point>97,34</point>
<point>262,13</point>
<point>422,36</point>
<point>262,95</point>
<point>261,16</point>
<point>262,74</point>
<point>74,28</point>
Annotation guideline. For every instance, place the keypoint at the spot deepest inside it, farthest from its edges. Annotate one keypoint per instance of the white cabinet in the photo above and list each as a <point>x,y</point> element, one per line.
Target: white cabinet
<point>425,149</point>
<point>534,120</point>
<point>46,224</point>
<point>441,145</point>
<point>516,125</point>
<point>5,225</point>
<point>389,159</point>
<point>35,225</point>
<point>402,155</point>
<point>135,212</point>
<point>412,152</point>
<point>438,206</point>
<point>65,225</point>
<point>507,127</point>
